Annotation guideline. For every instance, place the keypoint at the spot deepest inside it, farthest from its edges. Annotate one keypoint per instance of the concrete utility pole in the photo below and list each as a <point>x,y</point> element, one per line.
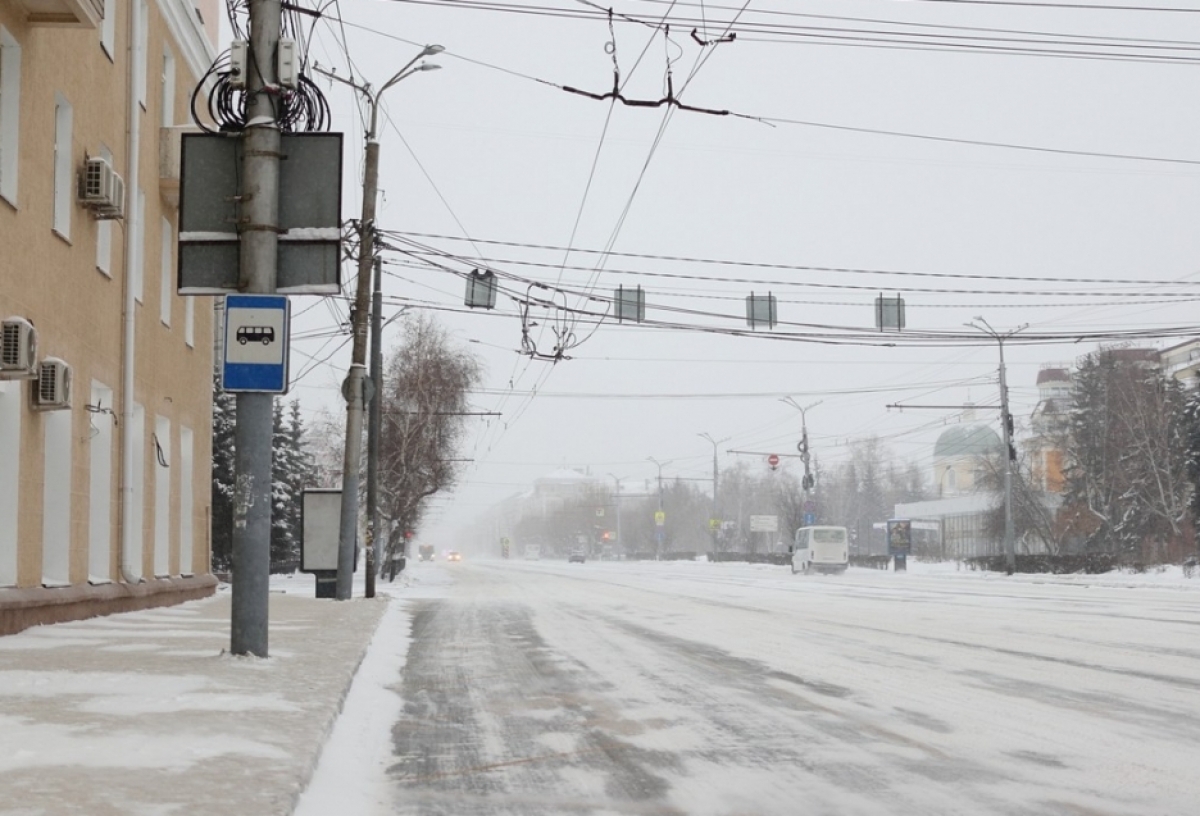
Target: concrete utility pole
<point>1010,452</point>
<point>259,258</point>
<point>713,517</point>
<point>354,389</point>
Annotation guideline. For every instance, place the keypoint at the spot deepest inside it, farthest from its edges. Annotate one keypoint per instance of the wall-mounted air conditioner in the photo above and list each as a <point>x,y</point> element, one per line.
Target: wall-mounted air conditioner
<point>18,349</point>
<point>101,189</point>
<point>52,390</point>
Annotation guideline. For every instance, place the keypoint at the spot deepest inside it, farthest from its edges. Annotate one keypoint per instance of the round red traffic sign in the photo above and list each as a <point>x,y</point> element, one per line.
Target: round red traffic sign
<point>773,460</point>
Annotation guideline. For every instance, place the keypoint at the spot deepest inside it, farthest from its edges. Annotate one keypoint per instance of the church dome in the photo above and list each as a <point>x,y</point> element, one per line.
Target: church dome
<point>967,440</point>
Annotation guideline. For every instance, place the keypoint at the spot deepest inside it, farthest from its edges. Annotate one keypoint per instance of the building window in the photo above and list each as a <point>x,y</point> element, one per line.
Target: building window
<point>137,240</point>
<point>10,470</point>
<point>100,452</point>
<point>161,461</point>
<point>134,525</point>
<point>56,499</point>
<point>62,166</point>
<point>104,231</point>
<point>165,277</point>
<point>10,107</point>
<point>186,523</point>
<point>108,28</point>
<point>168,88</point>
<point>139,51</point>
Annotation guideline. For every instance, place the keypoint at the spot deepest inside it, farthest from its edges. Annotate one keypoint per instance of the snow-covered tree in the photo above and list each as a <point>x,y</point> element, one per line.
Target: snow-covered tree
<point>224,417</point>
<point>1127,485</point>
<point>425,400</point>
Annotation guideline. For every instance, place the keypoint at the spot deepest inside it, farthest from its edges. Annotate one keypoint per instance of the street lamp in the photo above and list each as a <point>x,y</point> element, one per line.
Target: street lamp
<point>354,386</point>
<point>658,525</point>
<point>808,483</point>
<point>1010,453</point>
<point>712,521</point>
<point>617,502</point>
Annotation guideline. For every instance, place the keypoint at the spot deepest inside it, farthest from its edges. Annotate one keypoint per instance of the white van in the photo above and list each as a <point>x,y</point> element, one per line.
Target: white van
<point>533,552</point>
<point>821,549</point>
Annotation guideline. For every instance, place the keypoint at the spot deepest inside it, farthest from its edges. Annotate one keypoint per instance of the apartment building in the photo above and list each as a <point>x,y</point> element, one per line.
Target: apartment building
<point>105,376</point>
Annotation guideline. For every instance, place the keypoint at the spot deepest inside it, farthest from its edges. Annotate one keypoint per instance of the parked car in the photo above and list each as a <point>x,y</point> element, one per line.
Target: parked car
<point>577,557</point>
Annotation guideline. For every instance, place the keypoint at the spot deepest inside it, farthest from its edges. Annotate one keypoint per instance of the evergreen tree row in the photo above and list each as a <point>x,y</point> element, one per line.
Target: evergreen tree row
<point>293,469</point>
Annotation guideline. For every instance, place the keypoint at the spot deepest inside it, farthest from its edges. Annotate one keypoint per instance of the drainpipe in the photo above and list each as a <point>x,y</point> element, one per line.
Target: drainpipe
<point>129,312</point>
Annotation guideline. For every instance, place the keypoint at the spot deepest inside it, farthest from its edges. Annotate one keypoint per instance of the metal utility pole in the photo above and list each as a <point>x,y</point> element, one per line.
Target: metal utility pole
<point>355,388</point>
<point>713,518</point>
<point>809,481</point>
<point>658,528</point>
<point>1010,452</point>
<point>617,502</point>
<point>259,257</point>
<point>373,431</point>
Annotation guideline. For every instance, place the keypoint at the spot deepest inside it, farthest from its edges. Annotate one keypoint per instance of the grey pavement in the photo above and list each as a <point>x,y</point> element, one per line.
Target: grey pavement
<point>147,714</point>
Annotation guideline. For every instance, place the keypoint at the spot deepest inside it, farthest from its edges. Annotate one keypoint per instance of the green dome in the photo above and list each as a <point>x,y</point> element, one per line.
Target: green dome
<point>967,440</point>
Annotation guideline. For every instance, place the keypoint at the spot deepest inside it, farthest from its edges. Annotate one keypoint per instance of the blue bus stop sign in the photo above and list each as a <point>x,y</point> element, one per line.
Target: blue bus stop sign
<point>256,344</point>
<point>810,519</point>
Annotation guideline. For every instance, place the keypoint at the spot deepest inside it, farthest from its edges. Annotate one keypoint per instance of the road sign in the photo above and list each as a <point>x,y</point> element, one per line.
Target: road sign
<point>773,460</point>
<point>764,524</point>
<point>660,518</point>
<point>256,344</point>
<point>714,524</point>
<point>810,519</point>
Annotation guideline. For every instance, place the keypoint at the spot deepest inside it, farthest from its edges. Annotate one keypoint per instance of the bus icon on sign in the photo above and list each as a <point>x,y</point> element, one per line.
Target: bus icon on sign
<point>255,334</point>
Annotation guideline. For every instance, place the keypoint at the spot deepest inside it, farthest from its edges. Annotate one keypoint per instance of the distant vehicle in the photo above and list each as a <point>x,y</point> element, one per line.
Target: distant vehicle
<point>532,552</point>
<point>821,549</point>
<point>425,552</point>
<point>454,555</point>
<point>256,334</point>
<point>577,557</point>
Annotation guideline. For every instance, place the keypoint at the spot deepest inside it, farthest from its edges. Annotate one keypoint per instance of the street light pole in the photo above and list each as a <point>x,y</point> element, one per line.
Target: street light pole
<point>354,388</point>
<point>658,532</point>
<point>1010,453</point>
<point>617,502</point>
<point>712,521</point>
<point>373,429</point>
<point>808,482</point>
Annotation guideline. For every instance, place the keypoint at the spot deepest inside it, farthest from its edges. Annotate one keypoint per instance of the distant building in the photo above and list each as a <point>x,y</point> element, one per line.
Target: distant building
<point>960,458</point>
<point>1182,361</point>
<point>105,423</point>
<point>1048,426</point>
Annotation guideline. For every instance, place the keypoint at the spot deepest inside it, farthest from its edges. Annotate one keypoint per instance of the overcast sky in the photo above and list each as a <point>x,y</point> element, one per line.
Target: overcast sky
<point>490,161</point>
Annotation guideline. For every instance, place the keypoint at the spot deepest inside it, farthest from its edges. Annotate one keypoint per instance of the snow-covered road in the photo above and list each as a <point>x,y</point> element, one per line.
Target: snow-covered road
<point>549,688</point>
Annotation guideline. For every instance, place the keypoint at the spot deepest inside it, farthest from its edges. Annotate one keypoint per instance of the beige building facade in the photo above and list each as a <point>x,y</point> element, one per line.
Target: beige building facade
<point>106,374</point>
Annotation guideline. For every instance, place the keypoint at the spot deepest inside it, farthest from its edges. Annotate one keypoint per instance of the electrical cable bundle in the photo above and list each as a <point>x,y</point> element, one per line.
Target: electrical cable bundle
<point>303,110</point>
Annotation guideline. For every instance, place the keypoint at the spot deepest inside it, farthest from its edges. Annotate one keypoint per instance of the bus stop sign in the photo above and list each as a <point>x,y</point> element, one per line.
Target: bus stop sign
<point>256,344</point>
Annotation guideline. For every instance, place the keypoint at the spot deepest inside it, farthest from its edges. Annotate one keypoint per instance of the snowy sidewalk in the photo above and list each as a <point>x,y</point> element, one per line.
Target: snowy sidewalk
<point>146,713</point>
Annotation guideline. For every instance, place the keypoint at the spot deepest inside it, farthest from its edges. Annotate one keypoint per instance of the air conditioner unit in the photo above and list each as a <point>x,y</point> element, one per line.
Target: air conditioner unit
<point>101,189</point>
<point>53,387</point>
<point>18,349</point>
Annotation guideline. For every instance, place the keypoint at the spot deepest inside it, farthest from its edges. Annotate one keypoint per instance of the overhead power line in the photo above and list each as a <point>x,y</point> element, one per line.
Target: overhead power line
<point>405,236</point>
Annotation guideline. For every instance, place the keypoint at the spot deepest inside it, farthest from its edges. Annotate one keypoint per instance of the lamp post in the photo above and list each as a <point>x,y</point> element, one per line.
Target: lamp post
<point>617,502</point>
<point>712,521</point>
<point>354,389</point>
<point>658,526</point>
<point>809,481</point>
<point>1010,453</point>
